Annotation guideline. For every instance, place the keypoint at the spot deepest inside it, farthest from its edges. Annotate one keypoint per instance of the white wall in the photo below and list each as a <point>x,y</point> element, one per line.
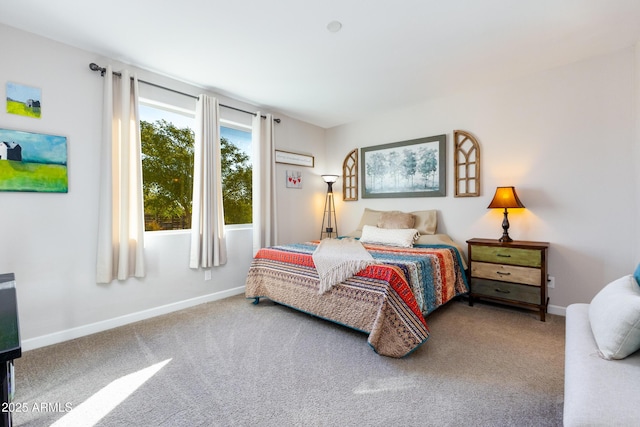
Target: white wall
<point>564,138</point>
<point>49,240</point>
<point>300,210</point>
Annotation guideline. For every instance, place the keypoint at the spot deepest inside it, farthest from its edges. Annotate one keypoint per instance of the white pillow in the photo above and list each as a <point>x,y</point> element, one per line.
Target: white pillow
<point>403,237</point>
<point>614,314</point>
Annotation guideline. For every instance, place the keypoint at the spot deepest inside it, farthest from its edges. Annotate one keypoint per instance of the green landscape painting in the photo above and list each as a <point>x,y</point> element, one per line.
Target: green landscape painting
<point>33,162</point>
<point>23,100</point>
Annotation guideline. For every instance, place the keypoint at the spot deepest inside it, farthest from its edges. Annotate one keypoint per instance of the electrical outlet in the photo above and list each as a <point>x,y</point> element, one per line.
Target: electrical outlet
<point>207,274</point>
<point>551,282</point>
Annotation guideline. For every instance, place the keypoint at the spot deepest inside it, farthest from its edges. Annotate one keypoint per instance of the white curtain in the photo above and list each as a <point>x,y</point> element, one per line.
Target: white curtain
<point>121,213</point>
<point>208,245</point>
<point>265,230</point>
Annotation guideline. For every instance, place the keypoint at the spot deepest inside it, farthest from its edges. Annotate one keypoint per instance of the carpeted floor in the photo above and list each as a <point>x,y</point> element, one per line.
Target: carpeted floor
<point>231,363</point>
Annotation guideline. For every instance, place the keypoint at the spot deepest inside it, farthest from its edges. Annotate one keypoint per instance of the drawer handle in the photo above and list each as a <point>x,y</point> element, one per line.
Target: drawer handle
<point>504,255</point>
<point>502,291</point>
<point>503,273</point>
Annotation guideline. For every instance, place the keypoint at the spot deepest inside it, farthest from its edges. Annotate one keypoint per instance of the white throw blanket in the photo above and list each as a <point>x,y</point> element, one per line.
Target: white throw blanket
<point>338,259</point>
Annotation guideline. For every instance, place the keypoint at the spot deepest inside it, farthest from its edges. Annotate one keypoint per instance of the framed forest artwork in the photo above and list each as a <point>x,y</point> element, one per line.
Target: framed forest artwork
<point>414,168</point>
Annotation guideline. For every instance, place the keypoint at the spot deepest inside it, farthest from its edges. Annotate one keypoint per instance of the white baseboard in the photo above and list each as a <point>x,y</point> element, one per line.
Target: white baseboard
<point>556,309</point>
<point>92,328</point>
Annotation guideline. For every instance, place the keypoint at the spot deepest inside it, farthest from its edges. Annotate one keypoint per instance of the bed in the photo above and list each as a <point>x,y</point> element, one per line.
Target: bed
<point>389,299</point>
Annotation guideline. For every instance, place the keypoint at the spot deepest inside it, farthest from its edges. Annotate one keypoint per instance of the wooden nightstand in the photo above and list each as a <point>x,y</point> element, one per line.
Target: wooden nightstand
<point>511,273</point>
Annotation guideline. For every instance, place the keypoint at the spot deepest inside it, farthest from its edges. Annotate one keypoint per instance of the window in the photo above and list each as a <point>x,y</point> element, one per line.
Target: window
<point>236,173</point>
<point>167,167</point>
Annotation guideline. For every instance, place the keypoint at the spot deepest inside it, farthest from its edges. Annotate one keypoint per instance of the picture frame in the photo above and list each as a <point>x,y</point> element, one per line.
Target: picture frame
<point>412,168</point>
<point>294,158</point>
<point>24,100</point>
<point>32,161</point>
<point>293,179</point>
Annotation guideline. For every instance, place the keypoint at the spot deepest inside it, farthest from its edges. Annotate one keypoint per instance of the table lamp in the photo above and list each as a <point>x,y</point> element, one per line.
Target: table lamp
<point>506,198</point>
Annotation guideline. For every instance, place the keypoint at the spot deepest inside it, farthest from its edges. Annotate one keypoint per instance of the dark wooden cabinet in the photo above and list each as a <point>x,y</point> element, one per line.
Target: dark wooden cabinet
<point>10,346</point>
<point>511,273</point>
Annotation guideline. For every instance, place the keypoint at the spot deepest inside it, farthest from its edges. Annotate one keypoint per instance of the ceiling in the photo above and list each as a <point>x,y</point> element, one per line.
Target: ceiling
<point>280,55</point>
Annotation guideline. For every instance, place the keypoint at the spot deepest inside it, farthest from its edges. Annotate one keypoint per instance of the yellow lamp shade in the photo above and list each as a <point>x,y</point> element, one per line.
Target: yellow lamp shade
<point>505,197</point>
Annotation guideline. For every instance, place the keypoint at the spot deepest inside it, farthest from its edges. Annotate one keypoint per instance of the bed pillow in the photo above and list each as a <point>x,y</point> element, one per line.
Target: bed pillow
<point>402,237</point>
<point>369,217</point>
<point>396,219</point>
<point>614,314</point>
<point>426,221</point>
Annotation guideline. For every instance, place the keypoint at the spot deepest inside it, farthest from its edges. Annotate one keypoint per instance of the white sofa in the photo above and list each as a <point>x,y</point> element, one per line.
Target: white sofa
<point>597,391</point>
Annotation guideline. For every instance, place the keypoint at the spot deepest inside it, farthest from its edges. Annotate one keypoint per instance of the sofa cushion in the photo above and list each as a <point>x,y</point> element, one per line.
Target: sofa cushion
<point>614,314</point>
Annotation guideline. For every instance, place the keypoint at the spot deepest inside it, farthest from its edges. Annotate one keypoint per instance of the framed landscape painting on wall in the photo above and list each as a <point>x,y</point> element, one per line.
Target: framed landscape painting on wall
<point>33,162</point>
<point>414,168</point>
<point>24,100</point>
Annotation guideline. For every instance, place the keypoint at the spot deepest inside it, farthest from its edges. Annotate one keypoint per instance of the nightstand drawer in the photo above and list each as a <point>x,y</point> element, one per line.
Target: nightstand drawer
<point>507,273</point>
<point>502,255</point>
<point>503,290</point>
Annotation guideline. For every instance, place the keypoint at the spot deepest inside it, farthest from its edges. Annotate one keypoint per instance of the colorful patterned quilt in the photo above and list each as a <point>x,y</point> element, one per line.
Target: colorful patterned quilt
<point>389,300</point>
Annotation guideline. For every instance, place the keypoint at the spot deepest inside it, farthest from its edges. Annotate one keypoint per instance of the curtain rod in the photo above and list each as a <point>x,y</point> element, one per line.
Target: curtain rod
<point>95,67</point>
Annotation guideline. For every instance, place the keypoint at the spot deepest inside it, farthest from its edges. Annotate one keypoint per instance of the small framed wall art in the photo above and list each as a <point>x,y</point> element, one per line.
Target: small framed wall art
<point>24,100</point>
<point>294,179</point>
<point>294,158</point>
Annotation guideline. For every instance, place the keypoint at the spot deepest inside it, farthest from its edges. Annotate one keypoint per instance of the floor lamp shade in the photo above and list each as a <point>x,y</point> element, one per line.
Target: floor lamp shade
<point>505,198</point>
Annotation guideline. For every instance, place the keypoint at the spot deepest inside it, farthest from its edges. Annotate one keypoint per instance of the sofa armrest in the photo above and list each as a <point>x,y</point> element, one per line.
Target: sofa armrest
<point>597,391</point>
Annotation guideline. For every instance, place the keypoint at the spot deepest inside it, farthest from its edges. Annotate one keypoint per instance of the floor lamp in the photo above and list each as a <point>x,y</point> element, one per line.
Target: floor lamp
<point>329,222</point>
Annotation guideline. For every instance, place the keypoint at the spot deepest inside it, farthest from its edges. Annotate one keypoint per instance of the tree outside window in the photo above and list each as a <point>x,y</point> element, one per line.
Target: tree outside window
<point>167,169</point>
